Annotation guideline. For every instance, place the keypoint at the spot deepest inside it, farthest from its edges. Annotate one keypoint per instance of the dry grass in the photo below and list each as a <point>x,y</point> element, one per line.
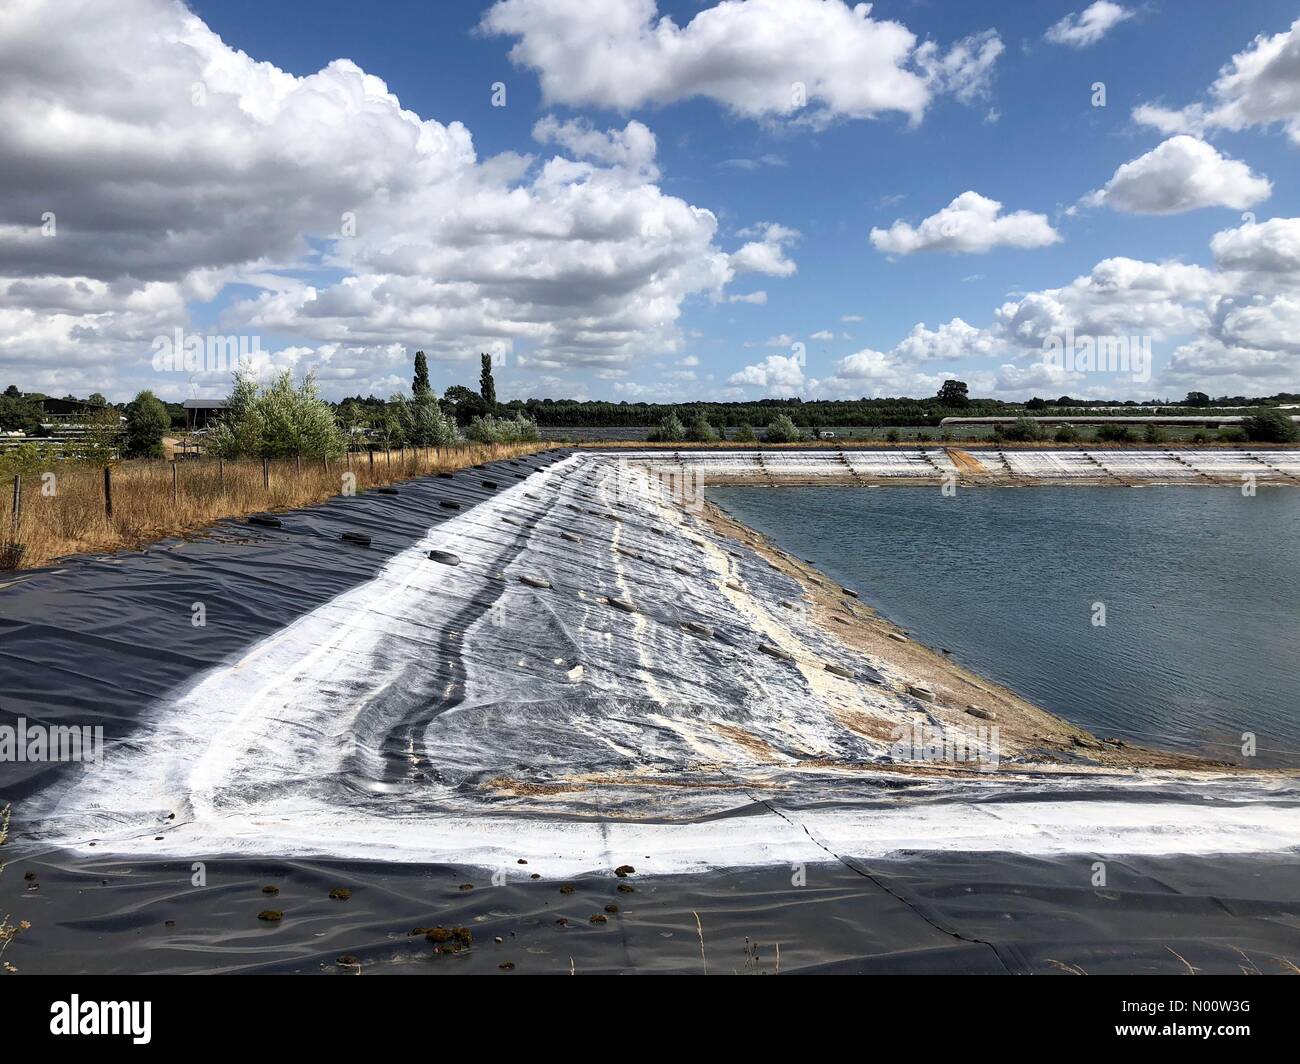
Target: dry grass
<point>8,931</point>
<point>66,515</point>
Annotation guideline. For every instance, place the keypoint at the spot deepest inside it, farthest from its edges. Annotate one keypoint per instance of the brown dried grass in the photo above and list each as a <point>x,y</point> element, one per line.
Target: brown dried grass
<point>66,515</point>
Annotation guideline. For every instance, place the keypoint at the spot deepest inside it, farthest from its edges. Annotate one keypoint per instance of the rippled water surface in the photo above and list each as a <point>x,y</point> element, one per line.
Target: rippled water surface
<point>1202,603</point>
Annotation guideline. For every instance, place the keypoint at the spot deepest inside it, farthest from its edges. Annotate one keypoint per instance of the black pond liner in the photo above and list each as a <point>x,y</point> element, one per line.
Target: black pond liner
<point>96,639</point>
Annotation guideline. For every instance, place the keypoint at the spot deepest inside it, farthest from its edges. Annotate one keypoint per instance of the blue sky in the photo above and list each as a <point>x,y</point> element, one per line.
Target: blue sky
<point>1019,129</point>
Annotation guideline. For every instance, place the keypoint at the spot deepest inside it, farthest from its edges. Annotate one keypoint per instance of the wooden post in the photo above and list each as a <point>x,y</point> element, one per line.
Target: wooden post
<point>371,453</point>
<point>108,493</point>
<point>325,464</point>
<point>297,465</point>
<point>221,475</point>
<point>18,506</point>
<point>176,477</point>
<point>266,474</point>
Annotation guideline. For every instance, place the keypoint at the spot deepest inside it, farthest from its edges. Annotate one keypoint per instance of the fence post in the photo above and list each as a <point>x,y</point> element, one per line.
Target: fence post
<point>108,493</point>
<point>297,465</point>
<point>18,505</point>
<point>176,477</point>
<point>266,474</point>
<point>325,463</point>
<point>371,453</point>
<point>221,475</point>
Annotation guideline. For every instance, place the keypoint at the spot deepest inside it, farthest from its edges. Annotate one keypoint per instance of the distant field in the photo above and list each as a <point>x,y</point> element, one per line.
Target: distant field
<point>639,433</point>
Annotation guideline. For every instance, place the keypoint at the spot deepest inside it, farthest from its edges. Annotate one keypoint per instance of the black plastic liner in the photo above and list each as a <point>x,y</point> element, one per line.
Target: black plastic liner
<point>97,639</point>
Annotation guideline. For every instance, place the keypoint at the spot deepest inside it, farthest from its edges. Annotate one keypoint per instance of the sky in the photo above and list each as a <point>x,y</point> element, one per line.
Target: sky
<point>641,201</point>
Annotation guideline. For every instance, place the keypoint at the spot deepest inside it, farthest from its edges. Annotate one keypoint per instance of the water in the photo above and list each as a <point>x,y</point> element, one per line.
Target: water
<point>1199,585</point>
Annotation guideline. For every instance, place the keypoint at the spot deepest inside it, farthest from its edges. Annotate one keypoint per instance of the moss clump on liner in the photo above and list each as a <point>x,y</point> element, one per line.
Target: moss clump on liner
<point>449,939</point>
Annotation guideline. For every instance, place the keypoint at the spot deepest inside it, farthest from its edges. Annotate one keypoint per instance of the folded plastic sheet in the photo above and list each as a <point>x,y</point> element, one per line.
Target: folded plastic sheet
<point>573,666</point>
<point>934,462</point>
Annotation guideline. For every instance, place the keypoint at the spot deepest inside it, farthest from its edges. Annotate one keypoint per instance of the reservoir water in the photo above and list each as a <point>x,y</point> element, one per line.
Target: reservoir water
<point>1198,589</point>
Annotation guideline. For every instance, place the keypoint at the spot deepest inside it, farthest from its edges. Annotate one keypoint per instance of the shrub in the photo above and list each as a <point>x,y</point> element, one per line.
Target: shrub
<point>670,430</point>
<point>1066,434</point>
<point>745,433</point>
<point>1270,426</point>
<point>277,420</point>
<point>147,422</point>
<point>491,429</point>
<point>700,431</point>
<point>892,436</point>
<point>1022,430</point>
<point>783,430</point>
<point>27,459</point>
<point>1232,435</point>
<point>422,423</point>
<point>1115,434</point>
<point>1153,434</point>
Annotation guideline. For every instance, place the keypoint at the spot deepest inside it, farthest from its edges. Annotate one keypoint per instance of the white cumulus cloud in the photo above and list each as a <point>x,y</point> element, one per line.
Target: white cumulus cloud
<point>1087,27</point>
<point>970,224</point>
<point>176,166</point>
<point>1182,174</point>
<point>815,60</point>
<point>767,254</point>
<point>778,375</point>
<point>1259,87</point>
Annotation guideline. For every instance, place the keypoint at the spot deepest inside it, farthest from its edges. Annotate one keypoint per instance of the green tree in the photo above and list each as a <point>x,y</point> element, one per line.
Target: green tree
<point>783,430</point>
<point>1270,426</point>
<point>700,431</point>
<point>147,422</point>
<point>354,419</point>
<point>745,433</point>
<point>954,394</point>
<point>1022,430</point>
<point>670,430</point>
<point>1115,434</point>
<point>277,420</point>
<point>18,413</point>
<point>422,421</point>
<point>102,435</point>
<point>463,404</point>
<point>491,429</point>
<point>420,382</point>
<point>1197,399</point>
<point>487,387</point>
